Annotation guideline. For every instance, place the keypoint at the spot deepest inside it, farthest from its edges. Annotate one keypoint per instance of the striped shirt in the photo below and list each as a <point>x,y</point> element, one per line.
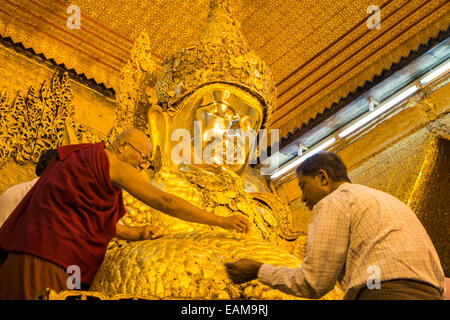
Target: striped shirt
<point>12,197</point>
<point>359,237</point>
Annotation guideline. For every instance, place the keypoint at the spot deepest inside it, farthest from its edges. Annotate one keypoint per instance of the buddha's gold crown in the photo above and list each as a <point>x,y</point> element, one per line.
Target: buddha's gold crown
<point>220,55</point>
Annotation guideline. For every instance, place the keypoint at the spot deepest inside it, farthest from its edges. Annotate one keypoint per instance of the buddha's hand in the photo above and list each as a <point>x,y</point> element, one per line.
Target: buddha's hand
<point>236,222</point>
<point>243,270</point>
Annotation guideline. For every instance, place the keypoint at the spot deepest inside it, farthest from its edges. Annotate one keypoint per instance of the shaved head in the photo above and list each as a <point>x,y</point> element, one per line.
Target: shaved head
<point>137,138</point>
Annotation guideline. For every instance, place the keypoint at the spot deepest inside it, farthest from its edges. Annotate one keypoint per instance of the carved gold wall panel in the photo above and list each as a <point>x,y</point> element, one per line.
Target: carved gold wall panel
<point>35,122</point>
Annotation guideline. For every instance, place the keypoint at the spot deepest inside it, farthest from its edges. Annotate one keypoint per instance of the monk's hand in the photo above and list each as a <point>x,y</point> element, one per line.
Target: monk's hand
<point>236,222</point>
<point>149,233</point>
<point>243,270</point>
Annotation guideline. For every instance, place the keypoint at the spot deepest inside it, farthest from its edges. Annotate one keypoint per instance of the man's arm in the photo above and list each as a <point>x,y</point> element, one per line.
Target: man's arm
<point>127,177</point>
<point>328,240</point>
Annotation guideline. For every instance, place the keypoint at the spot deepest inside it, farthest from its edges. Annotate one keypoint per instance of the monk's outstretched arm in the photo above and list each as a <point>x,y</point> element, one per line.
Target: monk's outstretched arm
<point>127,177</point>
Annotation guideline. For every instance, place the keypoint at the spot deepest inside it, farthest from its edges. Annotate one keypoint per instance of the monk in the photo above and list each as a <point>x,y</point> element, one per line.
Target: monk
<point>69,216</point>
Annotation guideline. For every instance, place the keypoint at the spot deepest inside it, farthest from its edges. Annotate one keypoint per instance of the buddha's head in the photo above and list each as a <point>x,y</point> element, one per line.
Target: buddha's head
<point>216,90</point>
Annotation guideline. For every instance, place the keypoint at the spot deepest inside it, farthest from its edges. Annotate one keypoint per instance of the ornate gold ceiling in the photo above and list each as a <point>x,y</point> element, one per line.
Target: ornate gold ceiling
<point>319,50</point>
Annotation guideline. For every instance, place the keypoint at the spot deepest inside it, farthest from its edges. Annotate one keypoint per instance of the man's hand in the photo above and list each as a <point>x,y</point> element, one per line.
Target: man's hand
<point>236,222</point>
<point>137,233</point>
<point>243,270</point>
<point>148,233</point>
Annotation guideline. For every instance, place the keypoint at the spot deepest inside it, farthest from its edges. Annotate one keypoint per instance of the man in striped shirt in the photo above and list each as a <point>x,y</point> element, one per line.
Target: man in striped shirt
<point>367,240</point>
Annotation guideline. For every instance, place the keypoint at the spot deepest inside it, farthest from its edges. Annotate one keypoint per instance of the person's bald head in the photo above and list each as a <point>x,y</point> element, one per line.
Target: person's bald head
<point>138,139</point>
<point>134,147</point>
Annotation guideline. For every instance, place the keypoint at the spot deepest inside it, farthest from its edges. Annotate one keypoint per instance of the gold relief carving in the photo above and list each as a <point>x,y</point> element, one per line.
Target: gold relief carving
<point>279,213</point>
<point>78,133</point>
<point>5,139</point>
<point>135,94</point>
<point>427,109</point>
<point>41,121</point>
<point>35,122</point>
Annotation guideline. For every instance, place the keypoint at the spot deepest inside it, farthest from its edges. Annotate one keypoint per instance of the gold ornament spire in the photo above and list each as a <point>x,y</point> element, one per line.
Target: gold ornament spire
<point>220,55</point>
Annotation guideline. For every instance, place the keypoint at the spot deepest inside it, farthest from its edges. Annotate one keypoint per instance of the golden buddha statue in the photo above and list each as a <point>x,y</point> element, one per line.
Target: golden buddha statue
<point>213,87</point>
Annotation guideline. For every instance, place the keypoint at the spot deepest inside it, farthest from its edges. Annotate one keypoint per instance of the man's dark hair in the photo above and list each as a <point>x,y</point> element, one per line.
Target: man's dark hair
<point>44,160</point>
<point>325,160</point>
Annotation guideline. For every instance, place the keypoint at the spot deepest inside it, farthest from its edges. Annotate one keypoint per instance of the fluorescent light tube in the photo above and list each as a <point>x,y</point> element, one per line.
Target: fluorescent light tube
<point>436,73</point>
<point>381,109</point>
<point>299,160</point>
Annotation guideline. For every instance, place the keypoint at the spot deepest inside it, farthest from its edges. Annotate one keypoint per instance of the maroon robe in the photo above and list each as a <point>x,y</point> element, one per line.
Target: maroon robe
<point>70,214</point>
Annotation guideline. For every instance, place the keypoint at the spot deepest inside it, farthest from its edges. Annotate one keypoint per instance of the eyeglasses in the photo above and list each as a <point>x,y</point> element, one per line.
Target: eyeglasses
<point>144,156</point>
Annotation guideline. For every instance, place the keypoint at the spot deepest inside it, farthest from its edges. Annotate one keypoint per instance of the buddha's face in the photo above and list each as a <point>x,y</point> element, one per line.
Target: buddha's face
<point>223,122</point>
